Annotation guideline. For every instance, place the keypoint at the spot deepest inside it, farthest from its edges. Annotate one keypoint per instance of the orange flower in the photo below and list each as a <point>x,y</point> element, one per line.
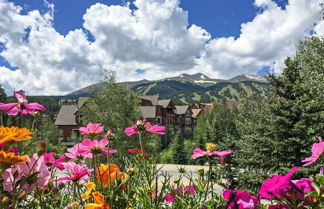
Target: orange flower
<point>11,158</point>
<point>104,173</point>
<point>14,134</point>
<point>99,202</point>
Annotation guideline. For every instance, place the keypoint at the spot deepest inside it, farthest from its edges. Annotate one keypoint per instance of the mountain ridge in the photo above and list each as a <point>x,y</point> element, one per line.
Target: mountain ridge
<point>186,88</point>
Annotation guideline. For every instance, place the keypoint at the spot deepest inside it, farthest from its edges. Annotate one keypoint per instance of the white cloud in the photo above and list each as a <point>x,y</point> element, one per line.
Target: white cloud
<point>269,38</point>
<point>155,37</point>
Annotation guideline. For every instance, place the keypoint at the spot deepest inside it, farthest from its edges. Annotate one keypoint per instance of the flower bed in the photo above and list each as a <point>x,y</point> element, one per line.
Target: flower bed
<point>94,181</point>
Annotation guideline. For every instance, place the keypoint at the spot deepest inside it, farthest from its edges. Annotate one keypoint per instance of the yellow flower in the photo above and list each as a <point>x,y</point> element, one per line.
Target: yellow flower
<point>11,158</point>
<point>99,202</point>
<point>210,147</point>
<point>14,134</point>
<point>90,187</point>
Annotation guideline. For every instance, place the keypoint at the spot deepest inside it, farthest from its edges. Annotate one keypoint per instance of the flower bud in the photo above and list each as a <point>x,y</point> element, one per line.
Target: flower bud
<point>42,148</point>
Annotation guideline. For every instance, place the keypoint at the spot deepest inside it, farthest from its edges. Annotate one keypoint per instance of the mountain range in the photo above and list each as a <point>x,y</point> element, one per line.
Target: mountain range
<point>196,88</point>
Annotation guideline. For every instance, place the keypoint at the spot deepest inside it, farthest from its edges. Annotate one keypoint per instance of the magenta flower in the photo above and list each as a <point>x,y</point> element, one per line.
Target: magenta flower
<point>13,149</point>
<point>198,152</point>
<point>34,169</point>
<point>92,129</point>
<point>53,162</point>
<point>181,191</point>
<point>21,106</point>
<point>240,198</point>
<point>98,147</point>
<point>78,152</point>
<point>304,185</point>
<point>78,172</point>
<point>142,126</point>
<point>317,152</point>
<point>277,185</point>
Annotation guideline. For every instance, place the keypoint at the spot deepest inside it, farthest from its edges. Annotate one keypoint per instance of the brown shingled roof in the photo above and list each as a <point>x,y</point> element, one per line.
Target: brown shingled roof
<point>181,109</point>
<point>153,99</point>
<point>148,111</point>
<point>196,112</point>
<point>164,102</point>
<point>66,115</point>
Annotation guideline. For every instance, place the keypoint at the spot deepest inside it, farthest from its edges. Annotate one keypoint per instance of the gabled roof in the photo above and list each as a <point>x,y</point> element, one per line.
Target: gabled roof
<point>66,115</point>
<point>153,99</point>
<point>196,112</point>
<point>180,110</point>
<point>148,111</point>
<point>164,103</point>
<point>81,101</point>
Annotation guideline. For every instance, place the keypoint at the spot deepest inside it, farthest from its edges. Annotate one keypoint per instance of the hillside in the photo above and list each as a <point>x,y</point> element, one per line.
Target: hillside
<point>186,89</point>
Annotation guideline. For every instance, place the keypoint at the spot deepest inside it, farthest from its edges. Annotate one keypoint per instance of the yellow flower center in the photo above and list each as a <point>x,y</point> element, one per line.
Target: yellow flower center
<point>210,147</point>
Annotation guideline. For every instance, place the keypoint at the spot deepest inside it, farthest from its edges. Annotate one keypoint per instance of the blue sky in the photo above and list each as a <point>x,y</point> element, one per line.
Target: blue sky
<point>66,44</point>
<point>218,17</point>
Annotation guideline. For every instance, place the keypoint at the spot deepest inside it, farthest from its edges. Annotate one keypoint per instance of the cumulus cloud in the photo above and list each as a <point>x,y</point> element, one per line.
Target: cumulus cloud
<point>265,41</point>
<point>155,37</point>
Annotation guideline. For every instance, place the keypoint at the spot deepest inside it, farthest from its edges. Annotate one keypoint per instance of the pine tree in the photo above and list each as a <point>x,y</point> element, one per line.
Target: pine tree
<point>298,103</point>
<point>179,155</point>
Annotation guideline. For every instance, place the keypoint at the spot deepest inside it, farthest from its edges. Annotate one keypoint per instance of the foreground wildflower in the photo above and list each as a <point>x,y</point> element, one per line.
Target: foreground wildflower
<point>21,106</point>
<point>138,151</point>
<point>99,202</point>
<point>277,185</point>
<point>240,198</point>
<point>109,135</point>
<point>142,126</point>
<point>90,188</point>
<point>78,152</point>
<point>198,152</point>
<point>92,129</point>
<point>27,175</point>
<point>109,174</point>
<point>181,191</point>
<point>304,185</point>
<point>317,152</point>
<point>10,158</point>
<point>53,162</point>
<point>98,147</point>
<point>78,172</point>
<point>14,134</point>
<point>13,149</point>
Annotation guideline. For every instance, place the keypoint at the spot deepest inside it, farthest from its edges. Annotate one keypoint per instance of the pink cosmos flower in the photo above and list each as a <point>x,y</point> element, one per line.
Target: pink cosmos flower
<point>109,135</point>
<point>78,172</point>
<point>198,152</point>
<point>277,185</point>
<point>317,152</point>
<point>13,149</point>
<point>52,162</point>
<point>78,152</point>
<point>98,147</point>
<point>21,106</point>
<point>34,169</point>
<point>304,185</point>
<point>137,151</point>
<point>92,129</point>
<point>181,191</point>
<point>142,126</point>
<point>240,198</point>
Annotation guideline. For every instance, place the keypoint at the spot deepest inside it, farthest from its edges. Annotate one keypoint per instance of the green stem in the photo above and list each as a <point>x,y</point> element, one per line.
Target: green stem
<point>140,139</point>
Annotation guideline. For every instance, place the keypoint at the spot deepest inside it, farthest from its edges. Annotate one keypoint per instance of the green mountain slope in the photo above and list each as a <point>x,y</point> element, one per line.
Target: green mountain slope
<point>187,89</point>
